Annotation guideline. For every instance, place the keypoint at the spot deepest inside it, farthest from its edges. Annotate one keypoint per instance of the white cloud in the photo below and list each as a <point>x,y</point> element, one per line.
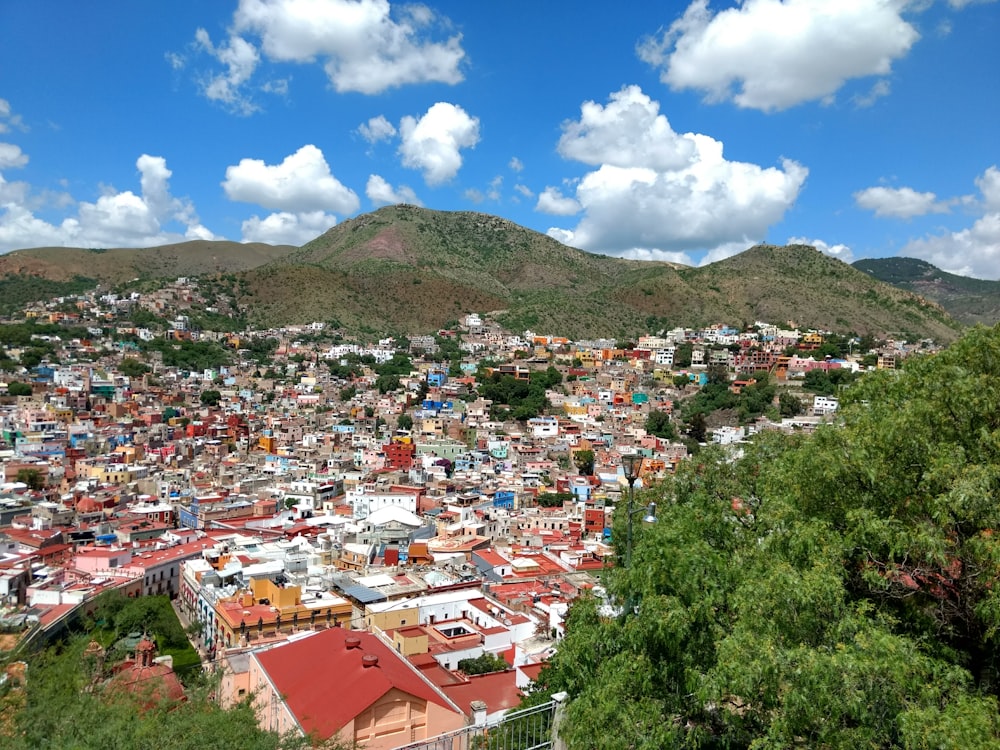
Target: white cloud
<point>495,185</point>
<point>240,58</point>
<point>552,201</point>
<point>630,131</point>
<point>377,129</point>
<point>839,251</point>
<point>900,203</point>
<point>660,256</point>
<point>11,156</point>
<point>989,186</point>
<point>301,183</point>
<point>287,228</point>
<point>174,60</point>
<point>381,193</point>
<point>115,219</point>
<point>704,202</point>
<point>524,190</point>
<point>474,195</point>
<point>974,251</point>
<point>960,4</point>
<point>774,54</point>
<point>9,121</point>
<point>878,90</point>
<point>367,46</point>
<point>434,143</point>
<point>516,165</point>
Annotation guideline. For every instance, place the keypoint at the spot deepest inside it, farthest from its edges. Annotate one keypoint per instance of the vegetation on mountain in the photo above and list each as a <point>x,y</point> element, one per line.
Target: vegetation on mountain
<point>123,265</point>
<point>18,290</point>
<point>832,590</point>
<point>968,300</point>
<point>404,269</point>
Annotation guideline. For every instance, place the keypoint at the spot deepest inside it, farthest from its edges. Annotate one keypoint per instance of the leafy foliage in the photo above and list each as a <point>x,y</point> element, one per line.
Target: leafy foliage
<point>832,590</point>
<point>658,423</point>
<point>482,664</point>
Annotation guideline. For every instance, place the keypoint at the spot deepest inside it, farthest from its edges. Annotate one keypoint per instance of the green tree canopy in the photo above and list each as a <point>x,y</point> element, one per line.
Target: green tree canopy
<point>831,590</point>
<point>16,388</point>
<point>210,397</point>
<point>658,423</point>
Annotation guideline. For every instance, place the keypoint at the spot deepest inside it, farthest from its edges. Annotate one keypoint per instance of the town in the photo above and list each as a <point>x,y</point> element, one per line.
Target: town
<point>417,512</point>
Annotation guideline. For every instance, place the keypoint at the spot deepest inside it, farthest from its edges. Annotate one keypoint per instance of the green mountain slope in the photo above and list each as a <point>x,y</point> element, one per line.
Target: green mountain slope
<point>194,258</point>
<point>967,300</point>
<point>403,268</point>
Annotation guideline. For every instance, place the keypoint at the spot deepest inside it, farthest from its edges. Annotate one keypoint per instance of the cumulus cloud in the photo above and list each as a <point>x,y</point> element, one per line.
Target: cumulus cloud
<point>228,88</point>
<point>524,190</point>
<point>115,219</point>
<point>301,183</point>
<point>433,144</point>
<point>368,46</point>
<point>377,129</point>
<point>8,120</point>
<point>900,203</point>
<point>287,228</point>
<point>11,156</point>
<point>552,201</point>
<point>878,90</point>
<point>775,54</point>
<point>839,251</point>
<point>672,205</point>
<point>628,132</point>
<point>381,193</point>
<point>974,251</point>
<point>516,165</point>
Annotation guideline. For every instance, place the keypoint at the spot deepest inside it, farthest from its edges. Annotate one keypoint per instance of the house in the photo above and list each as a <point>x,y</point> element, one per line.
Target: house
<point>347,685</point>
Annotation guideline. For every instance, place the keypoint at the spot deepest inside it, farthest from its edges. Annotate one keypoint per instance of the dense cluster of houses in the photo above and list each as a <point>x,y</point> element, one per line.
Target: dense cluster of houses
<point>304,535</point>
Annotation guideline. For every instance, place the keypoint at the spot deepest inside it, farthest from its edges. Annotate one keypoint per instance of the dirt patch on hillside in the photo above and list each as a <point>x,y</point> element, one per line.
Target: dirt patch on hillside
<point>389,244</point>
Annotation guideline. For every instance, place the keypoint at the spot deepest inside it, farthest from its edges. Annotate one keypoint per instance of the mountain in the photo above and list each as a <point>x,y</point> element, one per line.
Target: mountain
<point>194,258</point>
<point>969,301</point>
<point>404,269</point>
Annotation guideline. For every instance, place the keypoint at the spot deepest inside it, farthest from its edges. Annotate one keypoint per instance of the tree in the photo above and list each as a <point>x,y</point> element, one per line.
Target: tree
<point>834,590</point>
<point>658,423</point>
<point>404,422</point>
<point>16,388</point>
<point>31,477</point>
<point>386,383</point>
<point>482,664</point>
<point>682,354</point>
<point>584,460</point>
<point>210,397</point>
<point>789,405</point>
<point>133,368</point>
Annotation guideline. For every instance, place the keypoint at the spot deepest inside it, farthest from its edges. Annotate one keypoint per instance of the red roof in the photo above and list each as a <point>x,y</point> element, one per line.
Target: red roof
<point>498,690</point>
<point>299,672</point>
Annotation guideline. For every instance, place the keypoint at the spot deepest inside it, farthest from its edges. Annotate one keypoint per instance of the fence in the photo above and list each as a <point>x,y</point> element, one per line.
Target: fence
<point>526,729</point>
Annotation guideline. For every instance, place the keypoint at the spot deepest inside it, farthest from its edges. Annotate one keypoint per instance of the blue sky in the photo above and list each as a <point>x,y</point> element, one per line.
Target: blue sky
<point>662,131</point>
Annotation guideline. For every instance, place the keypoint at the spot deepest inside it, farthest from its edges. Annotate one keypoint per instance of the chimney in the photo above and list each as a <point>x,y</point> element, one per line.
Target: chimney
<point>478,713</point>
<point>352,641</point>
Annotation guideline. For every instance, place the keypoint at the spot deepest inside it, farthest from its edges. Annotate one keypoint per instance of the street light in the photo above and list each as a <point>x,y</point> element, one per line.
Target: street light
<point>631,465</point>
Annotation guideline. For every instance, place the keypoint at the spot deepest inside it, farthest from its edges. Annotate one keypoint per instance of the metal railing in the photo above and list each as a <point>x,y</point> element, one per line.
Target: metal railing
<point>525,729</point>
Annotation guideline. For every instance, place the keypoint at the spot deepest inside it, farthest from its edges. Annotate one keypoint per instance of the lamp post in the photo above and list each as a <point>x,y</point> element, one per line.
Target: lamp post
<point>631,465</point>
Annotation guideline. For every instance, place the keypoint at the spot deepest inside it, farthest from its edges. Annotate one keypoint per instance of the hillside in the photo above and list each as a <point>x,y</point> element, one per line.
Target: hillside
<point>194,258</point>
<point>404,268</point>
<point>968,300</point>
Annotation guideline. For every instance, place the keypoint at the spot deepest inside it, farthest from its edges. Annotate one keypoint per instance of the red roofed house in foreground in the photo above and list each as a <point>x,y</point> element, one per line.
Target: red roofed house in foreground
<point>347,684</point>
